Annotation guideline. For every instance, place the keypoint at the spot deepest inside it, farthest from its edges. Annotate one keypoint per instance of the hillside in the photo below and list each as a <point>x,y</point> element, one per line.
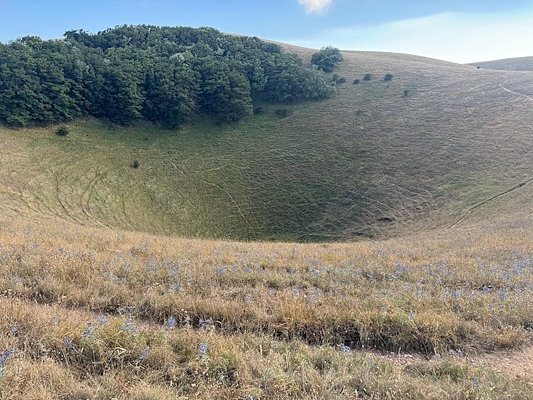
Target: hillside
<point>110,287</point>
<point>440,144</point>
<point>508,64</point>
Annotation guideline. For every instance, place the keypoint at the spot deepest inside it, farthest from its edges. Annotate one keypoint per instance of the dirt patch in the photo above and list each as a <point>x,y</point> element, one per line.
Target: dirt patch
<point>514,363</point>
<point>517,364</point>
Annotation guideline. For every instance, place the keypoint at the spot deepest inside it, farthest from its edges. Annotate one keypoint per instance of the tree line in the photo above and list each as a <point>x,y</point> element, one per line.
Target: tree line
<point>166,75</point>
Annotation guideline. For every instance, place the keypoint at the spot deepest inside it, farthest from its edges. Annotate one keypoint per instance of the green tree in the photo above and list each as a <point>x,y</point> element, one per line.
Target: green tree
<point>327,58</point>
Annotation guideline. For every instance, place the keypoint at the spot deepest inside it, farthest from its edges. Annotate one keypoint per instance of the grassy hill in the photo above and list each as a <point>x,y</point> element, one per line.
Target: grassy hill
<point>439,144</point>
<point>100,299</point>
<point>508,64</point>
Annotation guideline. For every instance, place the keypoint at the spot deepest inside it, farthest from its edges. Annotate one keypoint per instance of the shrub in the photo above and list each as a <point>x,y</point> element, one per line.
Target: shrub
<point>135,164</point>
<point>356,82</point>
<point>282,112</point>
<point>388,77</point>
<point>405,92</point>
<point>259,110</point>
<point>367,77</point>
<point>327,58</point>
<point>338,79</point>
<point>62,131</point>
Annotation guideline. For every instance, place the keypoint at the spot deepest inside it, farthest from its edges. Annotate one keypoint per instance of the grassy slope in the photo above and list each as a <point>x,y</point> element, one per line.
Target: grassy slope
<point>86,312</point>
<point>370,162</point>
<point>508,64</point>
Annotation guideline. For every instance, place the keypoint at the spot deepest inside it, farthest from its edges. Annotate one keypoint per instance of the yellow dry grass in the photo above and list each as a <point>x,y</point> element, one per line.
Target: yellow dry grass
<point>87,312</point>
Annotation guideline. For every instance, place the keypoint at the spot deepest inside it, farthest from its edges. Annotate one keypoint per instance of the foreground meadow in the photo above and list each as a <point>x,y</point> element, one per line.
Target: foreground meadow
<point>95,313</point>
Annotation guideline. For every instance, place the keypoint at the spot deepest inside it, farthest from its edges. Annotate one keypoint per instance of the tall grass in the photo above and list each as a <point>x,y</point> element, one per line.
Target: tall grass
<point>111,314</point>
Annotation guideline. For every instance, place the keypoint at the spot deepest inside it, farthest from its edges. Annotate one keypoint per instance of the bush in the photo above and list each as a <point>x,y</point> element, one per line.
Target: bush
<point>62,131</point>
<point>259,110</point>
<point>405,93</point>
<point>282,112</point>
<point>367,77</point>
<point>356,82</point>
<point>388,77</point>
<point>135,164</point>
<point>327,58</point>
<point>338,79</point>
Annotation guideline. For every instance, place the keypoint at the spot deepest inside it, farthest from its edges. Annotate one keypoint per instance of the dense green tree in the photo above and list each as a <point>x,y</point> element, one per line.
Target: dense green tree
<point>163,74</point>
<point>327,58</point>
<point>172,92</point>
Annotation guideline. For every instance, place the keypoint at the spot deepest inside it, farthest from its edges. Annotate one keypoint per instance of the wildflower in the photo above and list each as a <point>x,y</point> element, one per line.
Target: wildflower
<point>16,279</point>
<point>203,350</point>
<point>128,326</point>
<point>67,343</point>
<point>55,320</point>
<point>144,353</point>
<point>5,355</point>
<point>171,323</point>
<point>14,331</point>
<point>89,330</point>
<point>345,349</point>
<point>207,323</point>
<point>437,357</point>
<point>101,319</point>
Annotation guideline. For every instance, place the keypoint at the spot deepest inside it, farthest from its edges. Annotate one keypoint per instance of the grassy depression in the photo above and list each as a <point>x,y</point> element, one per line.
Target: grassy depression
<point>371,162</point>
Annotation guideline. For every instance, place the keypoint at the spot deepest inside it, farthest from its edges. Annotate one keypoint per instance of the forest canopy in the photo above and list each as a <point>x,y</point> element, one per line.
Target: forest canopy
<point>166,75</point>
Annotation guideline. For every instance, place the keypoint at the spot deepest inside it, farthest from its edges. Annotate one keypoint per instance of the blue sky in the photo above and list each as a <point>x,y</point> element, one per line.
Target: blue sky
<point>453,30</point>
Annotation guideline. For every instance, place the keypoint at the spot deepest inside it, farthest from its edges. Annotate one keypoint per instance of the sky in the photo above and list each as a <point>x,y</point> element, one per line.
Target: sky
<point>453,30</point>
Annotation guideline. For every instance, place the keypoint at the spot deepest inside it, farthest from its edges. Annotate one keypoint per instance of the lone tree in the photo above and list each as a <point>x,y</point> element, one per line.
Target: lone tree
<point>327,58</point>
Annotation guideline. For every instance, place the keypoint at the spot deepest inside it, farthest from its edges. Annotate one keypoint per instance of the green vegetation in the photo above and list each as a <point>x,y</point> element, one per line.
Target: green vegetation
<point>100,299</point>
<point>165,75</point>
<point>388,77</point>
<point>62,131</point>
<point>367,77</point>
<point>359,165</point>
<point>327,58</point>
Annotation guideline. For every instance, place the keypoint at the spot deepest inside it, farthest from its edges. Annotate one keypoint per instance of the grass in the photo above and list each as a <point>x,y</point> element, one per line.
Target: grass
<point>112,287</point>
<point>125,314</point>
<point>369,163</point>
<point>509,64</point>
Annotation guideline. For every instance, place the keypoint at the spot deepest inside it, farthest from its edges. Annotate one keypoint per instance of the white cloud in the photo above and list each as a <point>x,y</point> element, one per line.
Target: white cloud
<point>455,37</point>
<point>315,5</point>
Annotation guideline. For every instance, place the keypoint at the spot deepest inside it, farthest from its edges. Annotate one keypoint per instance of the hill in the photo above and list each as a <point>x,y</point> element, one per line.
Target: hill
<point>439,144</point>
<point>508,64</point>
<point>107,294</point>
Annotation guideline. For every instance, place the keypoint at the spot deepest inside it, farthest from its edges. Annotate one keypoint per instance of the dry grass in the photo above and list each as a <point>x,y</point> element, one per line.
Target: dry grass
<point>88,303</point>
<point>508,64</point>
